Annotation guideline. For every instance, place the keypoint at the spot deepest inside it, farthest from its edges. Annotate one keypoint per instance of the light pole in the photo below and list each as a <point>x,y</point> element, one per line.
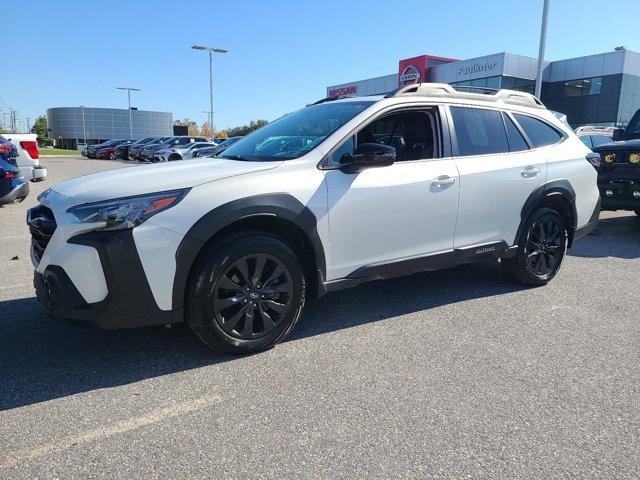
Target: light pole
<point>84,128</point>
<point>129,90</point>
<point>211,52</point>
<point>543,41</point>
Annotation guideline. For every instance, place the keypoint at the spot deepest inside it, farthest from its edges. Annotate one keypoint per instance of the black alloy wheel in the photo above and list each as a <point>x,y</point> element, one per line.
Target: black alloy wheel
<point>246,292</point>
<point>545,246</point>
<point>253,296</point>
<point>541,248</point>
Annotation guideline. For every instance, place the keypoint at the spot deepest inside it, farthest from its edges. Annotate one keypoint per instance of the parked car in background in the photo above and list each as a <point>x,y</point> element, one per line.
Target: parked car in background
<point>235,246</point>
<point>179,152</point>
<point>135,151</point>
<point>92,150</point>
<point>215,150</point>
<point>122,150</point>
<point>149,151</point>
<point>109,152</point>
<point>13,187</point>
<point>28,156</point>
<point>619,170</point>
<point>595,136</point>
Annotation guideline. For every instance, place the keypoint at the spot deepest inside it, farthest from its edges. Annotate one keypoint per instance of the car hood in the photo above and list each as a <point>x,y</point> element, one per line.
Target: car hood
<point>617,146</point>
<point>129,181</point>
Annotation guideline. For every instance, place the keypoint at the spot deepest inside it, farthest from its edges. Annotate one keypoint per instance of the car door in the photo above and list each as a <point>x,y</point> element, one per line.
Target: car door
<point>393,213</point>
<point>498,171</point>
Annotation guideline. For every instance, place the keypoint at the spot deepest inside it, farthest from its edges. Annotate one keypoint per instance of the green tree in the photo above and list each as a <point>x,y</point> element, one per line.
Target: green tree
<point>246,129</point>
<point>192,126</point>
<point>2,130</point>
<point>40,128</point>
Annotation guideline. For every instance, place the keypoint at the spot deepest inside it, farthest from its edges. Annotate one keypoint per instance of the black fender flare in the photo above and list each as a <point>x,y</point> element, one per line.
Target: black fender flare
<point>546,191</point>
<point>281,205</point>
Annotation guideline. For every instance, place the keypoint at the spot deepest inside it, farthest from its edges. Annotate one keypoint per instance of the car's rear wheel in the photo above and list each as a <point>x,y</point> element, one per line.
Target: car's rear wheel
<point>174,156</point>
<point>541,249</point>
<point>246,293</point>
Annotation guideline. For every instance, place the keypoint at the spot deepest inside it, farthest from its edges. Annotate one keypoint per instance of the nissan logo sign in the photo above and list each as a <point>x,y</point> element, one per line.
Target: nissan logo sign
<point>410,75</point>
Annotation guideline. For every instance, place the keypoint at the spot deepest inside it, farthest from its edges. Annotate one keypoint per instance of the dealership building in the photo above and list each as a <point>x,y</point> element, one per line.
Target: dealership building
<point>601,89</point>
<point>73,126</point>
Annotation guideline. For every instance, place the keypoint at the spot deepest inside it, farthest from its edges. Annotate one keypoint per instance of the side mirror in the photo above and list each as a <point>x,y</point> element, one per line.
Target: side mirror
<point>370,155</point>
<point>617,134</point>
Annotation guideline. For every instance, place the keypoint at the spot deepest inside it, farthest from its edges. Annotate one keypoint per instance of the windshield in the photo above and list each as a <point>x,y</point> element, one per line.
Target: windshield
<point>633,129</point>
<point>295,134</point>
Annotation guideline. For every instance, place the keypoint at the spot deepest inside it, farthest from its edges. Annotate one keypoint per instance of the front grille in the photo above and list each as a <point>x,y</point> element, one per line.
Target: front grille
<point>42,225</point>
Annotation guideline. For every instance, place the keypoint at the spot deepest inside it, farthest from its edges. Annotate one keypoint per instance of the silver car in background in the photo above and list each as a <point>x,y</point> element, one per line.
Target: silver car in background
<point>179,152</point>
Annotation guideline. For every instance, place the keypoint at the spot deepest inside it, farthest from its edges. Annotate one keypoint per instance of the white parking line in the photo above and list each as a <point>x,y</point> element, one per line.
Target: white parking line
<point>14,458</point>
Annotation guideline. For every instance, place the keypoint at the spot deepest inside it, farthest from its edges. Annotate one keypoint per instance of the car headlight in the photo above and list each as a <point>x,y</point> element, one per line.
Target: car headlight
<point>609,158</point>
<point>634,157</point>
<point>128,212</point>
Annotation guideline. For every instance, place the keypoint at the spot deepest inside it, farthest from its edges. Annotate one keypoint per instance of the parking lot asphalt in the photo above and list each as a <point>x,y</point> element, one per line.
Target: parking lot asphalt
<point>449,374</point>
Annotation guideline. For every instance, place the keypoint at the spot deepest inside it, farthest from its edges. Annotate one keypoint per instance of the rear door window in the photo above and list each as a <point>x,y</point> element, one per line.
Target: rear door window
<point>540,134</point>
<point>479,131</point>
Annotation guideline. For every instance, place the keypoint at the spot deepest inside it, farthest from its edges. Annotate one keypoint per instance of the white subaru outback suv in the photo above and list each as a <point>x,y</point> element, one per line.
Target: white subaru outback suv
<point>338,193</point>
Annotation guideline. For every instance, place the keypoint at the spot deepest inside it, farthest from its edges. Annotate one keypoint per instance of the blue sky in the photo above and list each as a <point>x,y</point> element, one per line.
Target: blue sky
<point>283,53</point>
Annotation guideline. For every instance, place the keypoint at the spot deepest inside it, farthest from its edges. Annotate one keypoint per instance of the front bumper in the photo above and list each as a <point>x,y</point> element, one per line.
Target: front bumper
<point>618,194</point>
<point>20,190</point>
<point>129,302</point>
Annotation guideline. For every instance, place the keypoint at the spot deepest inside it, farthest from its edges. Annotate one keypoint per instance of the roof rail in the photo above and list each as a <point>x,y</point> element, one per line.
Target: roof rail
<point>331,99</point>
<point>484,94</point>
<point>590,128</point>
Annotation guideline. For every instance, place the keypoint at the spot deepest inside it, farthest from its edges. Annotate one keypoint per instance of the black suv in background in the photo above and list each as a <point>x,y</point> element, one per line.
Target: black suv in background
<point>619,171</point>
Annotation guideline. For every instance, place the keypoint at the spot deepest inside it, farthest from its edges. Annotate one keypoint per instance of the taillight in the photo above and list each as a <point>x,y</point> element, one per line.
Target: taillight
<point>31,147</point>
<point>593,159</point>
<point>9,175</point>
<point>5,147</point>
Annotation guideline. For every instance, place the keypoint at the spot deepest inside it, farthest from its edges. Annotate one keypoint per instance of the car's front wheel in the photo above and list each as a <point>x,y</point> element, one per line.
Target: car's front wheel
<point>246,293</point>
<point>541,249</point>
<point>174,156</point>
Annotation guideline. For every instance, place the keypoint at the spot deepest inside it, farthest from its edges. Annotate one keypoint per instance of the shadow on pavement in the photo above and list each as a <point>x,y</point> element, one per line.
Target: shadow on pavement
<point>617,237</point>
<point>42,360</point>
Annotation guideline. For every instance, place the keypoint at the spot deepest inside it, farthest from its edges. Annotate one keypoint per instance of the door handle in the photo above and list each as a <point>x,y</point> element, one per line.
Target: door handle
<point>530,171</point>
<point>443,180</point>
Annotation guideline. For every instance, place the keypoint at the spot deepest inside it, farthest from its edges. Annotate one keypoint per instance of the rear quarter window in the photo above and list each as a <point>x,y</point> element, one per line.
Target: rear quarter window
<point>540,133</point>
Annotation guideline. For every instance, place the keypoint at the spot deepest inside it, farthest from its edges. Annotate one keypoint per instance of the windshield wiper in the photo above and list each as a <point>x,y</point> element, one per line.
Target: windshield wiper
<point>237,157</point>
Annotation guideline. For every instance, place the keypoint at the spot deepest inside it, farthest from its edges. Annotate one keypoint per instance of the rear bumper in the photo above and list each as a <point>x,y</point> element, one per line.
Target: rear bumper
<point>21,190</point>
<point>591,224</point>
<point>129,302</point>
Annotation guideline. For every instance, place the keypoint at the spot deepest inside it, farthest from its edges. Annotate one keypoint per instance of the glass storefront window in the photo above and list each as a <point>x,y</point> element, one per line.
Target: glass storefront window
<point>583,86</point>
<point>573,88</point>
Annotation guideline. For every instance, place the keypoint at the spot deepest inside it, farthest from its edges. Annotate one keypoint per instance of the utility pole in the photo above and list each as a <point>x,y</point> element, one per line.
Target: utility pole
<point>543,41</point>
<point>28,126</point>
<point>129,90</point>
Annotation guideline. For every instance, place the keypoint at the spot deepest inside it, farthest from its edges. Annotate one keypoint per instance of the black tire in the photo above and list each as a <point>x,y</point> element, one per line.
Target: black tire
<point>174,156</point>
<point>236,315</point>
<point>541,249</point>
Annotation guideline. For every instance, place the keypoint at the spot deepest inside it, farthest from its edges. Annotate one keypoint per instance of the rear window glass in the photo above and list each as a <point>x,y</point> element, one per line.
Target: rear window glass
<point>538,132</point>
<point>517,142</point>
<point>479,132</point>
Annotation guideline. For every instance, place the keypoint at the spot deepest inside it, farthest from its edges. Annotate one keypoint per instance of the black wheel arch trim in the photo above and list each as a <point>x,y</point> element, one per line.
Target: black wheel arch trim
<point>544,192</point>
<point>281,205</point>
